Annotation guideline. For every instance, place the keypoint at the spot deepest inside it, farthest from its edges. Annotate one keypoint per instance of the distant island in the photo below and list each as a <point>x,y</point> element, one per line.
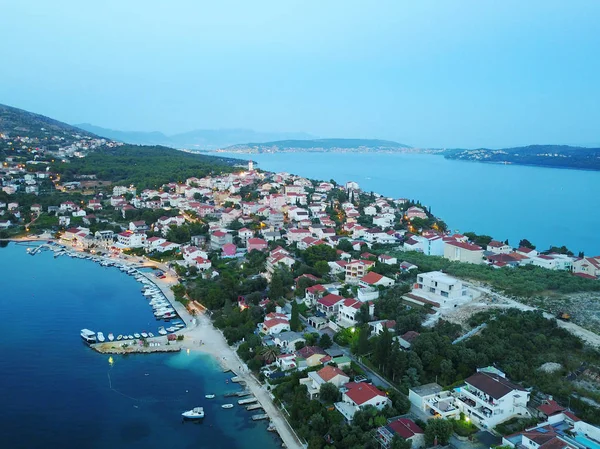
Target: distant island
<point>319,145</point>
<point>554,156</point>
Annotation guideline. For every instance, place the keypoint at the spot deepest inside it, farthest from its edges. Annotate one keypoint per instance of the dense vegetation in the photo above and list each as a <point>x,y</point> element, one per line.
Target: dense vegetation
<point>145,167</point>
<point>521,281</point>
<point>517,342</point>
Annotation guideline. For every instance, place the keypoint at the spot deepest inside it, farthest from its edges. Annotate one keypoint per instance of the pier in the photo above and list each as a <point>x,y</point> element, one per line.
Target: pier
<point>253,407</point>
<point>124,348</point>
<point>247,401</point>
<point>259,417</point>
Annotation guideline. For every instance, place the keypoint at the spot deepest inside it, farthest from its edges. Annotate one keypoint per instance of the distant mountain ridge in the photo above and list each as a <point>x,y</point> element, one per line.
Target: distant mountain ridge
<point>15,121</point>
<point>205,139</point>
<point>365,145</point>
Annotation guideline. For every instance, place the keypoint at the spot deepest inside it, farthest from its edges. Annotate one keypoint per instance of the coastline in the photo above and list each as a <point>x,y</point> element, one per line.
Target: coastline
<point>199,335</point>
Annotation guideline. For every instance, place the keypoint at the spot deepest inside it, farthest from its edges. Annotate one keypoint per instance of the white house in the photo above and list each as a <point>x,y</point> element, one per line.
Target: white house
<point>440,287</point>
<point>388,260</point>
<point>360,395</point>
<point>488,398</point>
<point>130,239</point>
<point>275,323</point>
<point>372,279</point>
<point>405,428</point>
<point>153,242</point>
<point>330,304</point>
<point>497,247</point>
<point>328,374</point>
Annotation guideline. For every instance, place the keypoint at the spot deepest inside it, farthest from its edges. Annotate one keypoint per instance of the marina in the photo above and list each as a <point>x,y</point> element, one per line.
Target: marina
<point>249,400</point>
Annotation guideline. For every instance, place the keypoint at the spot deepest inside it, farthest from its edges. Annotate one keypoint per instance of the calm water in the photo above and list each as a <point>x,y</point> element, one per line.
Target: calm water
<point>56,392</point>
<point>547,206</point>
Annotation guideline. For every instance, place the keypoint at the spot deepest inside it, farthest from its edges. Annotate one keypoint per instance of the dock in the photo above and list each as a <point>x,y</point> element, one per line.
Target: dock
<point>236,393</point>
<point>259,417</point>
<point>253,407</point>
<point>250,400</point>
<point>132,348</point>
<point>237,380</point>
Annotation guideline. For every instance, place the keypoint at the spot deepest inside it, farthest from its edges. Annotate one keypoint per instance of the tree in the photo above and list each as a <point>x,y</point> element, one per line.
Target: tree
<point>295,319</point>
<point>318,253</point>
<point>400,443</point>
<point>440,429</point>
<point>363,340</point>
<point>322,267</point>
<point>269,353</point>
<point>276,289</point>
<point>526,244</point>
<point>329,392</point>
<point>325,341</point>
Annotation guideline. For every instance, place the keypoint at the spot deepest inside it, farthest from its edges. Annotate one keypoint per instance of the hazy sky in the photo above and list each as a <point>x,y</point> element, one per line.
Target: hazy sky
<point>427,73</point>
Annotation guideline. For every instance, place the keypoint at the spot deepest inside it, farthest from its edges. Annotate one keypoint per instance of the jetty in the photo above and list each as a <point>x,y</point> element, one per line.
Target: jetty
<point>249,400</point>
<point>259,417</point>
<point>132,348</point>
<point>237,380</point>
<point>253,407</point>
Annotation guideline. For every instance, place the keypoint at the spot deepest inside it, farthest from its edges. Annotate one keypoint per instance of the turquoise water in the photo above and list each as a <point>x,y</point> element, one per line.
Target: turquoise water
<point>57,392</point>
<point>587,442</point>
<point>545,205</point>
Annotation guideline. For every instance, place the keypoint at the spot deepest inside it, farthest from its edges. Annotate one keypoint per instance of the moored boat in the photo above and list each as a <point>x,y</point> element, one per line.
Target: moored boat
<point>136,335</point>
<point>162,331</point>
<point>209,396</point>
<point>144,335</point>
<point>150,334</point>
<point>227,406</point>
<point>119,337</point>
<point>100,337</point>
<point>130,337</point>
<point>111,336</point>
<point>88,336</point>
<point>195,413</point>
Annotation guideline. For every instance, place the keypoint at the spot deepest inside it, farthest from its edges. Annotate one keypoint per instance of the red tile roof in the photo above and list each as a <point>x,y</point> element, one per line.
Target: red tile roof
<point>362,392</point>
<point>550,408</point>
<point>467,246</point>
<point>371,278</point>
<point>405,428</point>
<point>329,372</point>
<point>330,300</point>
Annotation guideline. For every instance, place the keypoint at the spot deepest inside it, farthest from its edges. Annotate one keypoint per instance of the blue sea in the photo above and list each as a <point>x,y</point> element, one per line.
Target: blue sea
<point>548,206</point>
<point>58,393</point>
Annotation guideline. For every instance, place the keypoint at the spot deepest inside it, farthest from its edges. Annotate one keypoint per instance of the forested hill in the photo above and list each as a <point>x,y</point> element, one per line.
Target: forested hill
<point>558,156</point>
<point>143,166</point>
<point>320,145</point>
<point>18,122</point>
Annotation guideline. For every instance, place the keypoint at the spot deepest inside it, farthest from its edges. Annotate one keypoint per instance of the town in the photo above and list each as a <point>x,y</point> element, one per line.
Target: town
<point>315,286</point>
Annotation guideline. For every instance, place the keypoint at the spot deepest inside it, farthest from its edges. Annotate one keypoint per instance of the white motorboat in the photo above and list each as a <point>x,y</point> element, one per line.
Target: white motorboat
<point>209,396</point>
<point>119,337</point>
<point>100,337</point>
<point>162,331</point>
<point>227,406</point>
<point>136,335</point>
<point>195,413</point>
<point>88,336</point>
<point>111,336</point>
<point>171,329</point>
<point>144,335</point>
<point>130,337</point>
<point>150,334</point>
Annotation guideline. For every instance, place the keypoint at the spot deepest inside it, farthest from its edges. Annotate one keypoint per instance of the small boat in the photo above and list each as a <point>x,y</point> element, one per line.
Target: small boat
<point>171,329</point>
<point>136,335</point>
<point>209,396</point>
<point>88,336</point>
<point>195,413</point>
<point>150,334</point>
<point>119,337</point>
<point>111,337</point>
<point>162,331</point>
<point>227,406</point>
<point>100,337</point>
<point>130,337</point>
<point>144,335</point>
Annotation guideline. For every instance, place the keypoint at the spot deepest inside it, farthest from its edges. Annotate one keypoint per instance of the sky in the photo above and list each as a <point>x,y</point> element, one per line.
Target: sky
<point>446,74</point>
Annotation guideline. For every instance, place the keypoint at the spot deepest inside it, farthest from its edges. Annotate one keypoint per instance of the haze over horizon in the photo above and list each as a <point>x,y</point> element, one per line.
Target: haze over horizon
<point>428,74</point>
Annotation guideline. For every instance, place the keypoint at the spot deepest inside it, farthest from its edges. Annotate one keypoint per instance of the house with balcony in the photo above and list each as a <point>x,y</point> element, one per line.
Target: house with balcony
<point>497,247</point>
<point>440,287</point>
<point>488,398</point>
<point>432,400</point>
<point>327,374</point>
<point>330,304</point>
<point>372,279</point>
<point>463,252</point>
<point>313,294</point>
<point>219,239</point>
<point>356,269</point>
<point>359,395</point>
<point>404,428</point>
